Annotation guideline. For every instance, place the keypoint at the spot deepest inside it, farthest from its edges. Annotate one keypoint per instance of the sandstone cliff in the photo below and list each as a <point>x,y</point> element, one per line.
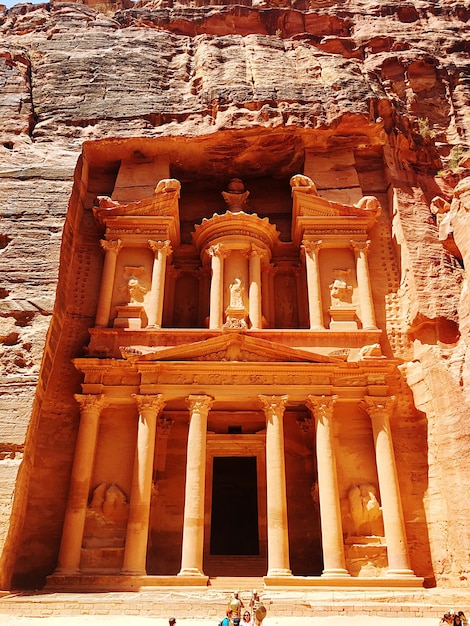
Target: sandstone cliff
<point>242,79</point>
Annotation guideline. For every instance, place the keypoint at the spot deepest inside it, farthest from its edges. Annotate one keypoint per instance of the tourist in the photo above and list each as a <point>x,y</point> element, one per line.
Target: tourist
<point>457,620</point>
<point>235,605</point>
<point>247,621</point>
<point>463,619</point>
<point>172,621</point>
<point>447,619</point>
<point>227,621</point>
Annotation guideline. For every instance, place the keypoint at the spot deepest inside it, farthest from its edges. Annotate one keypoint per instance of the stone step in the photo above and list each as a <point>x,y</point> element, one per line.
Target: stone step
<point>243,584</point>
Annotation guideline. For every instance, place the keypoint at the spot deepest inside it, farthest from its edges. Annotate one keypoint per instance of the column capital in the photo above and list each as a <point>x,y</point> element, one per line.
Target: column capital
<point>321,406</point>
<point>111,245</point>
<point>311,246</point>
<point>378,405</point>
<point>149,403</point>
<point>160,246</point>
<point>255,250</point>
<point>218,250</point>
<point>360,246</point>
<point>199,404</point>
<point>273,405</point>
<point>91,402</point>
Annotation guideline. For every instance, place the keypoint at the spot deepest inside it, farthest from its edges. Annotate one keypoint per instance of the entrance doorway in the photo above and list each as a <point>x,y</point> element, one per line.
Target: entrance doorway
<point>234,516</point>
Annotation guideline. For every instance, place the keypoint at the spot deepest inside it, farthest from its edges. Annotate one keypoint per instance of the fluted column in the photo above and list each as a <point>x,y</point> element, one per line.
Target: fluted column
<point>103,310</point>
<point>278,535</point>
<point>256,254</point>
<point>315,308</point>
<point>193,523</point>
<point>380,411</point>
<point>217,253</point>
<point>363,284</point>
<point>135,551</point>
<point>334,564</point>
<point>74,523</point>
<point>161,250</point>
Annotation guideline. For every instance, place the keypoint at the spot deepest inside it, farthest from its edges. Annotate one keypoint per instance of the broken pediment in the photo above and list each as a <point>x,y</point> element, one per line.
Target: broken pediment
<point>230,346</point>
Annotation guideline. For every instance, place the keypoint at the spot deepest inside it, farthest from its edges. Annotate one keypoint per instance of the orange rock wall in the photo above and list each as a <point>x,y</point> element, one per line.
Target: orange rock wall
<point>257,89</point>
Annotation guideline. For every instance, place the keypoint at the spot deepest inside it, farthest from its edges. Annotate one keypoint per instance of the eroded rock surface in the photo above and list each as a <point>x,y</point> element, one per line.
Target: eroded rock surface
<point>252,85</point>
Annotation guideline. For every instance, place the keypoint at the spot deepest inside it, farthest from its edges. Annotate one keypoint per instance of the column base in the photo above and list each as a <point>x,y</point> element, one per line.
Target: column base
<point>400,573</point>
<point>191,571</point>
<point>133,572</point>
<point>337,572</point>
<point>63,571</point>
<point>278,572</point>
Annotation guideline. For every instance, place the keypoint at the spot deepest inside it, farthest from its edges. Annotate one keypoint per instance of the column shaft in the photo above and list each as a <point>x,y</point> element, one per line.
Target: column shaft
<point>315,309</point>
<point>363,284</point>
<point>135,551</point>
<point>74,522</point>
<point>193,524</point>
<point>380,410</point>
<point>161,250</point>
<point>218,254</point>
<point>330,511</point>
<point>103,309</point>
<point>255,287</point>
<point>278,534</point>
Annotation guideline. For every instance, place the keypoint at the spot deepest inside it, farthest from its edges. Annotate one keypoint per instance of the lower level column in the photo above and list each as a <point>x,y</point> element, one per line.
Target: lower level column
<point>278,534</point>
<point>75,514</point>
<point>380,410</point>
<point>330,511</point>
<point>193,523</point>
<point>135,551</point>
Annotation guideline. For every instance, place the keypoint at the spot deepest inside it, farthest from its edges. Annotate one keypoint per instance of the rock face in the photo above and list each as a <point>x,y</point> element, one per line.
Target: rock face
<point>363,98</point>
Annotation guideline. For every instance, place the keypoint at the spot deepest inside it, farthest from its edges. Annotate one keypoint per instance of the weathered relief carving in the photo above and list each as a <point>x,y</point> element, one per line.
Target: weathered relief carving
<point>340,291</point>
<point>133,287</point>
<point>365,511</point>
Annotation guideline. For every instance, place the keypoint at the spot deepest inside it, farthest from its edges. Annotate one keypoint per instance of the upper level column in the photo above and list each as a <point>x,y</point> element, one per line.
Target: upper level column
<point>135,551</point>
<point>380,410</point>
<point>74,522</point>
<point>255,257</point>
<point>315,310</point>
<point>330,512</point>
<point>363,284</point>
<point>278,535</point>
<point>161,250</point>
<point>193,523</point>
<point>217,253</point>
<point>103,310</point>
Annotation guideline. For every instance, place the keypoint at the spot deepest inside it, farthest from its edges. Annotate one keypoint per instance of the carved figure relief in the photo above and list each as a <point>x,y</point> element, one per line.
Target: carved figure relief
<point>236,294</point>
<point>340,291</point>
<point>133,287</point>
<point>365,511</point>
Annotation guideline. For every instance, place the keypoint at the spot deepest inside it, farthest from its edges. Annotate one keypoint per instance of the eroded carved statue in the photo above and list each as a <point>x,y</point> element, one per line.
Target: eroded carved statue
<point>236,294</point>
<point>365,510</point>
<point>340,291</point>
<point>133,286</point>
<point>306,183</point>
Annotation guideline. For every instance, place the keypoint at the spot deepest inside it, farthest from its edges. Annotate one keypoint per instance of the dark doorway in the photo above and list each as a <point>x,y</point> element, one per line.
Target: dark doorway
<point>234,518</point>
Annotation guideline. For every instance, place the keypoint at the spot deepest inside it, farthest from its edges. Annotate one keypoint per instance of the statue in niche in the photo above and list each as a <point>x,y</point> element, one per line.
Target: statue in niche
<point>236,196</point>
<point>340,291</point>
<point>133,286</point>
<point>365,510</point>
<point>236,294</point>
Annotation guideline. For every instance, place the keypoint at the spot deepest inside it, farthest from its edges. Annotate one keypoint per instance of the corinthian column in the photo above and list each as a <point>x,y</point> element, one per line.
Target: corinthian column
<point>363,284</point>
<point>217,253</point>
<point>278,536</point>
<point>161,250</point>
<point>193,524</point>
<point>111,249</point>
<point>330,513</point>
<point>74,522</point>
<point>135,551</point>
<point>255,286</point>
<point>380,411</point>
<point>313,284</point>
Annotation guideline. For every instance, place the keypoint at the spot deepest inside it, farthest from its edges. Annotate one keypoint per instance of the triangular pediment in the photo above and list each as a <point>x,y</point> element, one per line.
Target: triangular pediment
<point>230,346</point>
<point>310,205</point>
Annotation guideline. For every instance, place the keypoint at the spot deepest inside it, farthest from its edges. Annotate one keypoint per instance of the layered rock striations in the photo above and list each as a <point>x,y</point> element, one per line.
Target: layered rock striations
<point>249,87</point>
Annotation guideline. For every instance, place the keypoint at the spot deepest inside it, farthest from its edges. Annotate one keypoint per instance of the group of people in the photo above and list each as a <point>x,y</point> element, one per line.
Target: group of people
<point>237,616</point>
<point>453,618</point>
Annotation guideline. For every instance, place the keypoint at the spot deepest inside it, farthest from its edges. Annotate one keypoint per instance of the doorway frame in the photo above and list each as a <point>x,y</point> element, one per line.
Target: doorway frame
<point>224,445</point>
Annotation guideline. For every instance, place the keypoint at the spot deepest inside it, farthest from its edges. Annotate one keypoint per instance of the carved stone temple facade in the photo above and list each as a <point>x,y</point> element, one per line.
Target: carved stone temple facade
<point>234,409</point>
